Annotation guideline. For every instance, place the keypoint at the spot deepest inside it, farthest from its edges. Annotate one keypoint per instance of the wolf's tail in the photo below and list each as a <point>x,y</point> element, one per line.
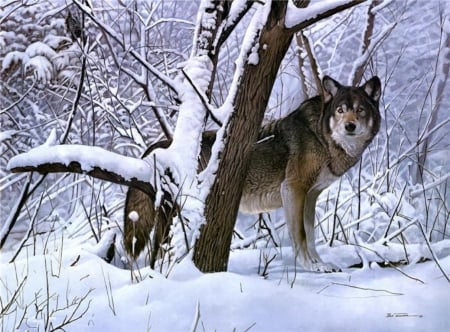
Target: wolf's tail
<point>141,217</point>
<point>139,220</point>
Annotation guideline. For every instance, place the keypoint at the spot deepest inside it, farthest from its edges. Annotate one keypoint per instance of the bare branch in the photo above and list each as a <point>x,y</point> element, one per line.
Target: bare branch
<point>368,34</point>
<point>303,42</point>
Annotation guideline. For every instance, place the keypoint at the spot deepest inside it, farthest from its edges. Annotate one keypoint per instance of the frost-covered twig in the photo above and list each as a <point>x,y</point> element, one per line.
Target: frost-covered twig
<point>12,218</point>
<point>430,185</point>
<point>74,315</point>
<point>394,212</point>
<point>18,101</point>
<point>246,242</point>
<point>15,212</point>
<point>435,92</point>
<point>299,18</point>
<point>75,102</point>
<point>367,247</point>
<point>148,89</point>
<point>237,11</point>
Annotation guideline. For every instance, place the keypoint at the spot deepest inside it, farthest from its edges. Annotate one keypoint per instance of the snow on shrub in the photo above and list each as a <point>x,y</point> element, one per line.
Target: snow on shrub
<point>39,48</point>
<point>12,61</point>
<point>41,68</point>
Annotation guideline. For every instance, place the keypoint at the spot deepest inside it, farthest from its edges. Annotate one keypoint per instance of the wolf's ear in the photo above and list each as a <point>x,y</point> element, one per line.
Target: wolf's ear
<point>330,87</point>
<point>373,88</point>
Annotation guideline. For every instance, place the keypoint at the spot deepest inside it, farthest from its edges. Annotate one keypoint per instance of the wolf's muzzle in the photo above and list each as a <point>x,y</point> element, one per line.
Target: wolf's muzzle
<point>350,127</point>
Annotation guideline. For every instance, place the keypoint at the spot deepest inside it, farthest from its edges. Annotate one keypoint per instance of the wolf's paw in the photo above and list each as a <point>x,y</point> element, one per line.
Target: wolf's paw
<point>324,267</point>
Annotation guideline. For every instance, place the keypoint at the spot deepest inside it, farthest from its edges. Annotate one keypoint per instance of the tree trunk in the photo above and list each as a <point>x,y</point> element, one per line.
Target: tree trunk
<point>212,248</point>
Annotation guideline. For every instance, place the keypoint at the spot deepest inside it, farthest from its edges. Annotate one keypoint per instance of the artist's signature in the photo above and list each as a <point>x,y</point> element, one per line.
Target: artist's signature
<point>402,314</point>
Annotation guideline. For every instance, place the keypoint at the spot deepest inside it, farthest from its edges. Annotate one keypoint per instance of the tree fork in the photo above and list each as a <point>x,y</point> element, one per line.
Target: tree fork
<point>211,251</point>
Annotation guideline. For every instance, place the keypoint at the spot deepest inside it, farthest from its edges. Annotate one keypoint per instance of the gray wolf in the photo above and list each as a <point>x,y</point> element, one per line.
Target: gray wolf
<point>293,161</point>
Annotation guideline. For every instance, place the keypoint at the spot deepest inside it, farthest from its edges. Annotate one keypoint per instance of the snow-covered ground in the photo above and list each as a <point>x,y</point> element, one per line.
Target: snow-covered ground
<point>39,293</point>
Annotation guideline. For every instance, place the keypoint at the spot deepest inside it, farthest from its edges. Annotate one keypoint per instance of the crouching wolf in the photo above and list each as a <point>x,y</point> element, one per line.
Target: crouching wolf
<point>293,161</point>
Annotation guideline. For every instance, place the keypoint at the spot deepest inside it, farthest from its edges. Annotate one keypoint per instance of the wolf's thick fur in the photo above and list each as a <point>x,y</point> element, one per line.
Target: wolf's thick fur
<point>294,159</point>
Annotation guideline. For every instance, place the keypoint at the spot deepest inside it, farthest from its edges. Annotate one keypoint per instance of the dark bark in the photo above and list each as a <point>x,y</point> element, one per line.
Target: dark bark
<point>96,172</point>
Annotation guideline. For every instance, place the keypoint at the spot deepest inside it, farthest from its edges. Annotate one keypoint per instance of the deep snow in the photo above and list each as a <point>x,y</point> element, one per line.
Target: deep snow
<point>288,299</point>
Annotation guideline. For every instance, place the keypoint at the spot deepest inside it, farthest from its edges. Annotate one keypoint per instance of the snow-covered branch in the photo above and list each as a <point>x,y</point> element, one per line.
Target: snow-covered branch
<point>92,161</point>
<point>198,74</point>
<point>238,10</point>
<point>300,18</point>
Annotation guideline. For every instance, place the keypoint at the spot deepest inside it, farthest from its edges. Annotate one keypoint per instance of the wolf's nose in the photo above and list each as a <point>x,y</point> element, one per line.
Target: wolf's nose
<point>350,127</point>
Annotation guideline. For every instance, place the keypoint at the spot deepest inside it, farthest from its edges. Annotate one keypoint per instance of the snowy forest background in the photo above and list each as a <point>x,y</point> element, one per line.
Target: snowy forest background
<point>395,202</point>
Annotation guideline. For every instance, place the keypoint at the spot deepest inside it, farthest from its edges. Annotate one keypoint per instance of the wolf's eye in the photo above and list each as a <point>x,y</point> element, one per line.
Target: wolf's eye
<point>361,110</point>
<point>339,109</point>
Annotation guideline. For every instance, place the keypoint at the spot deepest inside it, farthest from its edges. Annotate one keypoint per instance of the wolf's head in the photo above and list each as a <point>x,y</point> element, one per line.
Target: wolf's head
<point>351,117</point>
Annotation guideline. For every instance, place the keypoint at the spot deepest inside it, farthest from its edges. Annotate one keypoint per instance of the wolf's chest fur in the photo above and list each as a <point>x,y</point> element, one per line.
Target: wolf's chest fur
<point>276,161</point>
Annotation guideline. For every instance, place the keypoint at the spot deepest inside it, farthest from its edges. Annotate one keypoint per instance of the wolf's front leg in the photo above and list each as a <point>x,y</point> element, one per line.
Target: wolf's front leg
<point>308,221</point>
<point>299,209</point>
<point>293,196</point>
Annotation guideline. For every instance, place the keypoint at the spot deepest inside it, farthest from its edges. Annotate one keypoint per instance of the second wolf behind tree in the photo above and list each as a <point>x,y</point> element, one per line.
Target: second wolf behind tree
<point>293,161</point>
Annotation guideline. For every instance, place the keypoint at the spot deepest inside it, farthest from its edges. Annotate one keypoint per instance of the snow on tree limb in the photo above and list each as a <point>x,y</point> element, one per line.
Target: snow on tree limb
<point>238,10</point>
<point>299,18</point>
<point>89,160</point>
<point>192,113</point>
<point>249,49</point>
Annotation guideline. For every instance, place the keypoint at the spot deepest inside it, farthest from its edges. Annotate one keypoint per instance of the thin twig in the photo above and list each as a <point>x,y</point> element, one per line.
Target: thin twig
<point>30,228</point>
<point>76,101</point>
<point>389,263</point>
<point>358,287</point>
<point>5,308</point>
<point>202,97</point>
<point>432,252</point>
<point>196,318</point>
